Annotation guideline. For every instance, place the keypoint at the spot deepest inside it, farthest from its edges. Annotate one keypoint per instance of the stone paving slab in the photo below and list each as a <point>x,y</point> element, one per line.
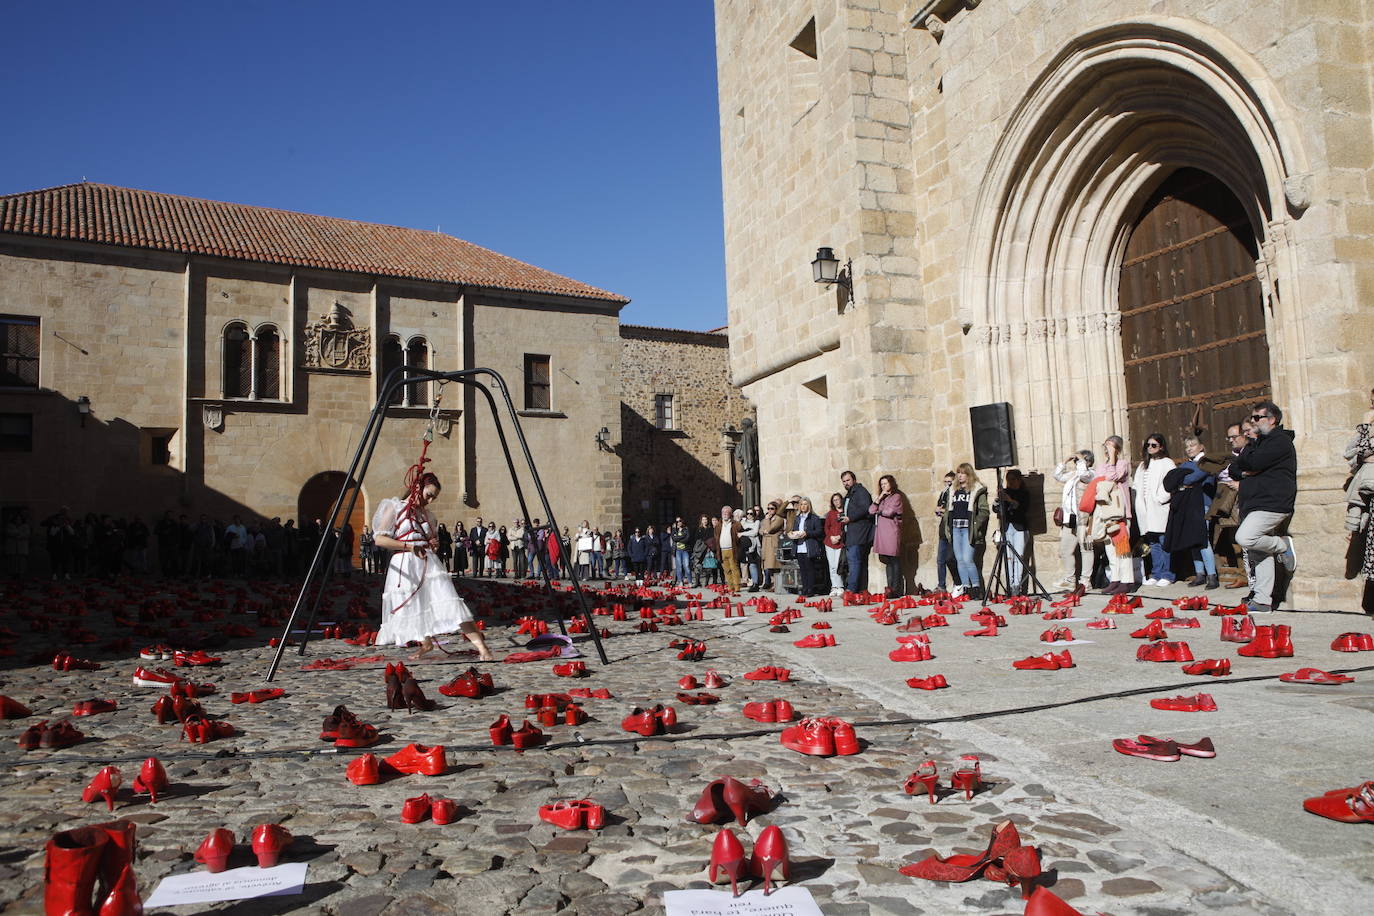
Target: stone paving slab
<point>1123,850</point>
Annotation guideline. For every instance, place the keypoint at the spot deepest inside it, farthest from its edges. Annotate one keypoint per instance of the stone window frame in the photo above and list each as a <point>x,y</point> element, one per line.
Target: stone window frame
<point>400,351</point>
<point>673,424</point>
<point>12,356</point>
<point>531,387</point>
<point>253,344</point>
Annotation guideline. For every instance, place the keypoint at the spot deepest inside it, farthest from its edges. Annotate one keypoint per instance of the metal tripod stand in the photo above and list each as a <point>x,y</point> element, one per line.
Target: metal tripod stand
<point>997,584</point>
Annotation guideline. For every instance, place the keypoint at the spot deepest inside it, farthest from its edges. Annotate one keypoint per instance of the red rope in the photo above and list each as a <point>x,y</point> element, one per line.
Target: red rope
<point>412,512</point>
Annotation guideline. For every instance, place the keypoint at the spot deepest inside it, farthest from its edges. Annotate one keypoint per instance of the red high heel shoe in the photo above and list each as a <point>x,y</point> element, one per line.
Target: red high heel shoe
<point>1018,866</point>
<point>413,697</point>
<point>215,849</point>
<point>770,852</point>
<point>744,800</point>
<point>925,775</point>
<point>965,867</point>
<point>104,785</point>
<point>269,840</point>
<point>1045,902</point>
<point>967,779</point>
<point>727,854</point>
<point>151,778</point>
<point>1153,630</point>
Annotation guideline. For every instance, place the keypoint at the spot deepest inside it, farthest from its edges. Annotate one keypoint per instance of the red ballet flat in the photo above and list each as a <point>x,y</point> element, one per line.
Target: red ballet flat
<point>1352,806</point>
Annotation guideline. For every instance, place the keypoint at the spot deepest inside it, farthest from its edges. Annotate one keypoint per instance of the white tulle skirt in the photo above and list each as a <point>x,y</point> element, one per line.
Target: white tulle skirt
<point>429,604</point>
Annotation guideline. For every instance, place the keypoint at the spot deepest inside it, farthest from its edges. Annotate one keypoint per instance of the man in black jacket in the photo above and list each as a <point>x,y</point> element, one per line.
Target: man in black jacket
<point>1268,473</point>
<point>858,530</point>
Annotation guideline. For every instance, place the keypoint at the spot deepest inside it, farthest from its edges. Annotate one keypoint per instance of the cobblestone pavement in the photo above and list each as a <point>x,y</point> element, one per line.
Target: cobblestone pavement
<point>848,822</point>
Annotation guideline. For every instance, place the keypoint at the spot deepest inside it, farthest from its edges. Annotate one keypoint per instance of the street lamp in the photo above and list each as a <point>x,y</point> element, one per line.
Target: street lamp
<point>826,270</point>
<point>83,408</point>
<point>603,435</point>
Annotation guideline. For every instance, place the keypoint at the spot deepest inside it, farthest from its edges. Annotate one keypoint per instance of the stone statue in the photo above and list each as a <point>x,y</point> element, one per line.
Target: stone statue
<point>748,452</point>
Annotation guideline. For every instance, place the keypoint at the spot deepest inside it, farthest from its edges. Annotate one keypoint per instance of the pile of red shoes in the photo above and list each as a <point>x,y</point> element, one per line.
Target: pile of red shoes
<point>346,730</point>
<point>1164,749</point>
<point>1353,642</point>
<point>367,770</point>
<point>1203,702</point>
<point>1165,652</point>
<point>821,737</point>
<point>1050,661</point>
<point>656,720</point>
<point>471,684</point>
<point>62,734</point>
<point>770,711</point>
<point>1354,805</point>
<point>576,814</point>
<point>914,647</point>
<point>1006,860</point>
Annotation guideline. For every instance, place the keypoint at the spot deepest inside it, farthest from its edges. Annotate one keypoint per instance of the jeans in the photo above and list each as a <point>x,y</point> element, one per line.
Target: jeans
<point>1256,537</point>
<point>858,565</point>
<point>682,566</point>
<point>1016,553</point>
<point>754,576</point>
<point>832,556</point>
<point>1204,561</point>
<point>1159,557</point>
<point>963,555</point>
<point>893,567</point>
<point>944,560</point>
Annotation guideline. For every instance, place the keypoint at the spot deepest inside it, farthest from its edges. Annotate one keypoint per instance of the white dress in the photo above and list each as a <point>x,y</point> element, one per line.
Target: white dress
<point>418,599</point>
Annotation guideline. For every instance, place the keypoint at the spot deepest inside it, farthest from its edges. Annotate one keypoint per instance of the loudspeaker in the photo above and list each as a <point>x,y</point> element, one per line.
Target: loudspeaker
<point>994,443</point>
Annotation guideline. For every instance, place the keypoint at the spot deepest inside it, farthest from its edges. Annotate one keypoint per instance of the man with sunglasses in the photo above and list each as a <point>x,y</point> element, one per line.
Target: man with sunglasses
<point>1268,473</point>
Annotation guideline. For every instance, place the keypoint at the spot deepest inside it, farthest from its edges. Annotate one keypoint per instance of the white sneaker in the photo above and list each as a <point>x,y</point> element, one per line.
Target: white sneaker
<point>1150,583</point>
<point>957,591</point>
<point>1289,558</point>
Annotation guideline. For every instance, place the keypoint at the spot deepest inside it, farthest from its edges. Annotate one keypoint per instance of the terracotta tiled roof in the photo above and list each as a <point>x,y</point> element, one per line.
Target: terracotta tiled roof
<point>112,215</point>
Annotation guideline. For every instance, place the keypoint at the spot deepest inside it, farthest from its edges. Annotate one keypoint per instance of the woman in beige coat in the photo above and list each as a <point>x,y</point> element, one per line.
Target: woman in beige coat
<point>770,533</point>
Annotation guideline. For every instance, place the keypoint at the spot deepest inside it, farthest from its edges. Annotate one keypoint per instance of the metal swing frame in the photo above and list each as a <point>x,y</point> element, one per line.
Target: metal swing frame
<point>327,550</point>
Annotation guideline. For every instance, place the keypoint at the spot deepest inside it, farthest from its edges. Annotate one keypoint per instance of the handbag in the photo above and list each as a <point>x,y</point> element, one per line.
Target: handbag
<point>710,562</point>
<point>1059,516</point>
<point>1088,502</point>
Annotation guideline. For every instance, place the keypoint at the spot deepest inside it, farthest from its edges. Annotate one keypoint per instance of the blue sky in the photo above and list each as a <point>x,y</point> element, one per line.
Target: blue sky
<point>578,136</point>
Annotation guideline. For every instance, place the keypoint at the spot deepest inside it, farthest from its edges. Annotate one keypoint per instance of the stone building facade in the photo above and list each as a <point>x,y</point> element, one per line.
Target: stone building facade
<point>1112,214</point>
<point>680,419</point>
<point>172,353</point>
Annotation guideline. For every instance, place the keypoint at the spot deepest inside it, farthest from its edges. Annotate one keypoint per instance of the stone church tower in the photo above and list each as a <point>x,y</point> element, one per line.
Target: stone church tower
<point>1120,216</point>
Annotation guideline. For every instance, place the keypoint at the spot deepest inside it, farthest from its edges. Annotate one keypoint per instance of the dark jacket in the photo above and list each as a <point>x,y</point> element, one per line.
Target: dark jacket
<point>859,531</point>
<point>1186,527</point>
<point>638,548</point>
<point>1268,472</point>
<point>815,530</point>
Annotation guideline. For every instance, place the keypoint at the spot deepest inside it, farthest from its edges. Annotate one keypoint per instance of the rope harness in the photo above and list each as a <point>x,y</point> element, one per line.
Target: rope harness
<point>412,511</point>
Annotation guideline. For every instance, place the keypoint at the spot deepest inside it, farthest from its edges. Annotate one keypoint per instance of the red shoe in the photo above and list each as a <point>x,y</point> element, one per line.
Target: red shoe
<point>1101,623</point>
<point>1314,676</point>
<point>1352,806</point>
<point>104,785</point>
<point>199,730</point>
<point>464,685</point>
<point>1269,643</point>
<point>810,736</point>
<point>1165,652</point>
<point>1044,902</point>
<point>196,659</point>
<point>814,641</point>
<point>501,731</point>
<point>911,652</point>
<point>416,809</point>
<point>1203,702</point>
<point>1183,623</point>
<point>1164,613</point>
<point>443,811</point>
<point>257,696</point>
<point>1217,667</point>
<point>160,652</point>
<point>989,629</point>
<point>526,736</point>
<point>965,867</point>
<point>353,733</point>
<point>687,682</point>
<point>727,854</point>
<point>1153,630</point>
<point>268,842</point>
<point>151,778</point>
<point>768,673</point>
<point>1153,749</point>
<point>364,771</point>
<point>1202,748</point>
<point>770,852</point>
<point>1050,661</point>
<point>416,758</point>
<point>65,661</point>
<point>934,620</point>
<point>159,677</point>
<point>761,712</point>
<point>13,709</point>
<point>967,779</point>
<point>93,707</point>
<point>934,682</point>
<point>63,734</point>
<point>1191,603</point>
<point>925,775</point>
<point>1353,642</point>
<point>571,669</point>
<point>215,849</point>
<point>1221,610</point>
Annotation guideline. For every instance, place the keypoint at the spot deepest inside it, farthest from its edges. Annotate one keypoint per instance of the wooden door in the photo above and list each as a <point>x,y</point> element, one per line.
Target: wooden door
<point>1192,315</point>
<point>317,499</point>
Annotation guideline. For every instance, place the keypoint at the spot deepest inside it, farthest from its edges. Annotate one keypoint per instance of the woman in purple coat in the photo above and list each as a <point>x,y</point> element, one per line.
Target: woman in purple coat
<point>887,533</point>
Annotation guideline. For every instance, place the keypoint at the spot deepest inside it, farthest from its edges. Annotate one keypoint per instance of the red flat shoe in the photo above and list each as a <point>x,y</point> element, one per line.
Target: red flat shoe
<point>159,677</point>
<point>571,669</point>
<point>727,854</point>
<point>464,685</point>
<point>1201,748</point>
<point>713,680</point>
<point>911,652</point>
<point>1166,751</point>
<point>1314,676</point>
<point>934,682</point>
<point>810,736</point>
<point>762,711</point>
<point>1164,613</point>
<point>687,682</point>
<point>768,673</point>
<point>526,736</point>
<point>364,771</point>
<point>257,696</point>
<point>104,785</point>
<point>215,849</point>
<point>770,853</point>
<point>195,659</point>
<point>1102,623</point>
<point>357,734</point>
<point>1183,623</point>
<point>417,758</point>
<point>1203,702</point>
<point>698,699</point>
<point>1050,661</point>
<point>443,811</point>
<point>1351,806</point>
<point>1217,667</point>
<point>63,734</point>
<point>94,707</point>
<point>151,778</point>
<point>1353,642</point>
<point>926,775</point>
<point>416,809</point>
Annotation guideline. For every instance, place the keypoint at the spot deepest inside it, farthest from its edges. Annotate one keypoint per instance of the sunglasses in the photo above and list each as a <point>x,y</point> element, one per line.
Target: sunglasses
<point>1259,416</point>
<point>1154,445</point>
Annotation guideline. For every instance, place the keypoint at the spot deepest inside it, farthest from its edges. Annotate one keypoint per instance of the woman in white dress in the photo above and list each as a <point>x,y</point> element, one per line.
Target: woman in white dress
<point>418,599</point>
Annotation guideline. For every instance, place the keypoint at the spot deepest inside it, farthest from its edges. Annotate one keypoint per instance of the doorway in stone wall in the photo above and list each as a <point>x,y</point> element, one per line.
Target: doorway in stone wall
<point>317,498</point>
<point>1193,336</point>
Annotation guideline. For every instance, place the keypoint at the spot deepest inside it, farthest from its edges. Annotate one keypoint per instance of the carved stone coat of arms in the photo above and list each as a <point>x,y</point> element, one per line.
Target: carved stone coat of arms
<point>333,343</point>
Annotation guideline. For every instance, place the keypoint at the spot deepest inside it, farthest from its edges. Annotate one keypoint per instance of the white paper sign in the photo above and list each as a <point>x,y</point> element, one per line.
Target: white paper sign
<point>787,901</point>
<point>233,884</point>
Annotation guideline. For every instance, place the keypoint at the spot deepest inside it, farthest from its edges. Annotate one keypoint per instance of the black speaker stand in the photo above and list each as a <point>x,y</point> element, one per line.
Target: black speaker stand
<point>997,584</point>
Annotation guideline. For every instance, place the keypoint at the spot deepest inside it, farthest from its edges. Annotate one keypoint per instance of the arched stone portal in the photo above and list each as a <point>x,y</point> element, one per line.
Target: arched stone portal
<point>1117,112</point>
<point>317,499</point>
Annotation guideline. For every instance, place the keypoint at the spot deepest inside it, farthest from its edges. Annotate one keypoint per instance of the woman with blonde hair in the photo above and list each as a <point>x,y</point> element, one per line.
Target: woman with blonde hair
<point>965,524</point>
<point>1111,519</point>
<point>806,534</point>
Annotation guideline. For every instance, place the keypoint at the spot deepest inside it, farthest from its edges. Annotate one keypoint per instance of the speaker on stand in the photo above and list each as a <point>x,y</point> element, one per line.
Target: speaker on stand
<point>994,446</point>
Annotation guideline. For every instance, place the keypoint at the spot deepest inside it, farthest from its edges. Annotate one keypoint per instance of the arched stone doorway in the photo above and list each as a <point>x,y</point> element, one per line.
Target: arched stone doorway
<point>317,497</point>
<point>1193,340</point>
